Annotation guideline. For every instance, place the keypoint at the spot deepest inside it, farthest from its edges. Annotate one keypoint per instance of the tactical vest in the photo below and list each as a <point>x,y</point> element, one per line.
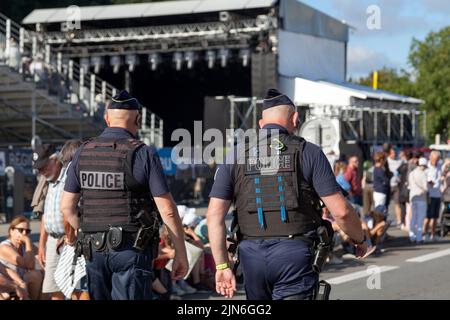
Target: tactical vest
<point>110,195</point>
<point>271,197</point>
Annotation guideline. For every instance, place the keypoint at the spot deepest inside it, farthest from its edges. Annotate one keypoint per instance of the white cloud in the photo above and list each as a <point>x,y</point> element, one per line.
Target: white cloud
<point>437,6</point>
<point>361,61</point>
<point>396,16</point>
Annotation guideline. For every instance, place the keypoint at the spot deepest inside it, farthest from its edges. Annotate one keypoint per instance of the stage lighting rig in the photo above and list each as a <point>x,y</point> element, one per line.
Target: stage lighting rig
<point>178,60</point>
<point>132,60</point>
<point>210,58</point>
<point>115,62</point>
<point>97,63</point>
<point>154,59</point>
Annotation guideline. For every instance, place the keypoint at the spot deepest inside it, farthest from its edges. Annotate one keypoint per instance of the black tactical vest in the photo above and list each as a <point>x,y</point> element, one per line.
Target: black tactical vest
<point>271,197</point>
<point>110,195</point>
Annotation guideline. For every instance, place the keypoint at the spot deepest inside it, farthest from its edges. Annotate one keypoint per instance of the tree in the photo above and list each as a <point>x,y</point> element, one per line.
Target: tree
<point>391,80</point>
<point>431,61</point>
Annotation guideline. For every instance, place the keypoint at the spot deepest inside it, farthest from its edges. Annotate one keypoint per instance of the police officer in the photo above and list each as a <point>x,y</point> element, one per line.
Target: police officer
<point>278,209</point>
<point>120,181</point>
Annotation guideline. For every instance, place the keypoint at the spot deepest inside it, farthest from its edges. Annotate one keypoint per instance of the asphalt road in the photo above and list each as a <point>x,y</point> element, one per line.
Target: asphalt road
<point>402,271</point>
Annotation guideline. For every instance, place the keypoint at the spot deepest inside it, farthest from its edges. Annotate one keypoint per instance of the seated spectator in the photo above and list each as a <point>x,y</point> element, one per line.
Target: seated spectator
<point>339,171</point>
<point>201,230</point>
<point>2,53</point>
<point>12,287</point>
<point>39,72</point>
<point>18,254</point>
<point>166,252</point>
<point>14,56</point>
<point>190,221</point>
<point>375,225</point>
<point>341,238</point>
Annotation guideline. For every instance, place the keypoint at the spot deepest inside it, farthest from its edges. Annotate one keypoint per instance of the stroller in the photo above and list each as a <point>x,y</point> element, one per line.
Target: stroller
<point>445,219</point>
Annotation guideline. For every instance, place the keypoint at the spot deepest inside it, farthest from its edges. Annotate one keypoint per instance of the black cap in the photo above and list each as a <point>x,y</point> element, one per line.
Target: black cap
<point>123,100</point>
<point>276,98</point>
<point>42,154</point>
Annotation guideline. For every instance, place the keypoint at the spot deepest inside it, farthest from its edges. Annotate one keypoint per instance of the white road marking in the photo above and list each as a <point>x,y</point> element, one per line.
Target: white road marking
<point>357,275</point>
<point>430,256</point>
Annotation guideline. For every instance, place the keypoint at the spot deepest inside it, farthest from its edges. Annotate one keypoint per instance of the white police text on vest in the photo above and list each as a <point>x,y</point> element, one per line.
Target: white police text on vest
<point>102,180</point>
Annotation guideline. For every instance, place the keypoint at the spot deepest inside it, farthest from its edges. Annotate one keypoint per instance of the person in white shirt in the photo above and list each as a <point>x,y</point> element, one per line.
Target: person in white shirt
<point>394,164</point>
<point>434,173</point>
<point>418,189</point>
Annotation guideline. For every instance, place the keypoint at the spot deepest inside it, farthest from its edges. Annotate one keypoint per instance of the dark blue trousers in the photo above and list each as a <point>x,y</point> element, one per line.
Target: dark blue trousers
<point>277,268</point>
<point>125,274</point>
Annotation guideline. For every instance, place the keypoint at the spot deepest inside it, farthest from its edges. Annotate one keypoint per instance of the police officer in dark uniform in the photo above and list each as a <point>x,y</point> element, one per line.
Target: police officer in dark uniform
<point>122,188</point>
<point>278,209</point>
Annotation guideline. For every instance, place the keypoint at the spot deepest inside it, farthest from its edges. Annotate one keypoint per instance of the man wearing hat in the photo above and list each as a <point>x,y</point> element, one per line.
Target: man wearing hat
<point>418,193</point>
<point>278,209</point>
<point>121,184</point>
<point>48,164</point>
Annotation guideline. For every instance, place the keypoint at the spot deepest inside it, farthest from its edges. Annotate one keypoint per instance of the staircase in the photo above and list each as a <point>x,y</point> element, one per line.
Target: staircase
<point>33,112</point>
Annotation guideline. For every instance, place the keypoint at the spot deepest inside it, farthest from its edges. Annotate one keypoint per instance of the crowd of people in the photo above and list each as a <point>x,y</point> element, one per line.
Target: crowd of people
<point>416,186</point>
<point>35,69</point>
<point>30,272</point>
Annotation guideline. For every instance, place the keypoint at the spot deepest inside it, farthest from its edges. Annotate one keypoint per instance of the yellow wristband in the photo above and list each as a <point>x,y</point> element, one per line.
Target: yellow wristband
<point>222,266</point>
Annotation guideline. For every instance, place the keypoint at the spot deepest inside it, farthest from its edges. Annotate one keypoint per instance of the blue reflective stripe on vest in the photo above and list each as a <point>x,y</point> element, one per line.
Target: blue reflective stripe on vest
<point>260,217</point>
<point>258,205</point>
<point>283,214</point>
<point>282,207</point>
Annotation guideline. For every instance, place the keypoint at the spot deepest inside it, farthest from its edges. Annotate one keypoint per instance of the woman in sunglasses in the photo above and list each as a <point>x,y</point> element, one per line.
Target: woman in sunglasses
<point>17,253</point>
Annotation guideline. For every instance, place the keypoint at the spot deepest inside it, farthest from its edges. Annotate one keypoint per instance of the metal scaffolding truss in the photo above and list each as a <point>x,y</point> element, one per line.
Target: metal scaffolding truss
<point>405,125</point>
<point>207,29</point>
<point>149,46</point>
<point>157,39</point>
<point>373,125</point>
<point>49,115</point>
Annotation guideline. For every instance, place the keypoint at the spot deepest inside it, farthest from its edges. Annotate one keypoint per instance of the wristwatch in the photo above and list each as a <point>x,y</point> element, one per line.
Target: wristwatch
<point>361,242</point>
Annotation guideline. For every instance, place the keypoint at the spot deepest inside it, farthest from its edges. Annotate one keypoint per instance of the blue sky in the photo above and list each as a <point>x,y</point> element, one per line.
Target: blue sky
<point>401,21</point>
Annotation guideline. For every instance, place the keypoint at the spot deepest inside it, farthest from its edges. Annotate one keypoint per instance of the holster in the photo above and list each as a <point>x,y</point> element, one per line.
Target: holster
<point>322,291</point>
<point>234,239</point>
<point>323,248</point>
<point>148,232</point>
<point>85,243</point>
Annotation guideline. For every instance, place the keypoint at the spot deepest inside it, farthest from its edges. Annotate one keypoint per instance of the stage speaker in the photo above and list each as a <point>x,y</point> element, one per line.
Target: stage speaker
<point>216,115</point>
<point>264,73</point>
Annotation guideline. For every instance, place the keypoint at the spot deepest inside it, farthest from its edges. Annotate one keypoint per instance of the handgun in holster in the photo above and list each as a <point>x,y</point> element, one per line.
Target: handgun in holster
<point>146,232</point>
<point>84,243</point>
<point>323,247</point>
<point>323,291</point>
<point>234,240</point>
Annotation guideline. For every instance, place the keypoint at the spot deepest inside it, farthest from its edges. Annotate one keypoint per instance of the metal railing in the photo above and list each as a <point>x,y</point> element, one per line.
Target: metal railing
<point>90,90</point>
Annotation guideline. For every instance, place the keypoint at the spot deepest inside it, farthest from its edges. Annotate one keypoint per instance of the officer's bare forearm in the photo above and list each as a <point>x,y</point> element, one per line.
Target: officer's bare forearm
<point>169,214</point>
<point>69,208</point>
<point>345,216</point>
<point>215,216</point>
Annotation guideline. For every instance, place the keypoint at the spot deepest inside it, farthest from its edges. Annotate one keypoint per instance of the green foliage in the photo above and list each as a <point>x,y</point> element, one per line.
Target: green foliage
<point>431,61</point>
<point>391,80</point>
<point>429,80</point>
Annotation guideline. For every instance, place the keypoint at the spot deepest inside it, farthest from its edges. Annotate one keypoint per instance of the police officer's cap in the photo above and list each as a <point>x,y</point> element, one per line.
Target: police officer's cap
<point>276,98</point>
<point>123,100</point>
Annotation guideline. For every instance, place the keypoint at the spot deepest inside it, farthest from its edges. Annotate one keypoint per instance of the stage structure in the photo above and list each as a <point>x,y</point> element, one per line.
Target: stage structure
<point>66,101</point>
<point>350,129</point>
<point>173,54</point>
